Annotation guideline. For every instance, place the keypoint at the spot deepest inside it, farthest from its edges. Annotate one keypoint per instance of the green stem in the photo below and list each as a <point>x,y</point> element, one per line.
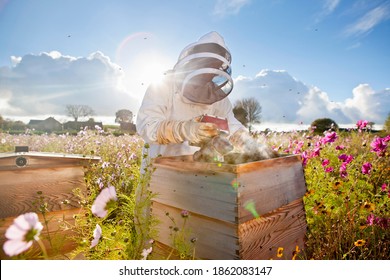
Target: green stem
<point>43,249</point>
<point>47,228</point>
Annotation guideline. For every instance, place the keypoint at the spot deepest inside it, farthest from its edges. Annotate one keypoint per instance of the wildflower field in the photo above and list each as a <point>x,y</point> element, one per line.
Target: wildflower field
<point>347,203</point>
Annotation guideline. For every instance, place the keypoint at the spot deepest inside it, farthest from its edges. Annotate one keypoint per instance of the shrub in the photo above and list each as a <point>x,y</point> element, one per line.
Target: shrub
<point>319,126</point>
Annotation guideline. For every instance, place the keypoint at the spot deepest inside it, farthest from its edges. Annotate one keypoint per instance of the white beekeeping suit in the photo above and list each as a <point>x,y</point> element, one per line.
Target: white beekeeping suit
<point>198,84</point>
<point>168,117</point>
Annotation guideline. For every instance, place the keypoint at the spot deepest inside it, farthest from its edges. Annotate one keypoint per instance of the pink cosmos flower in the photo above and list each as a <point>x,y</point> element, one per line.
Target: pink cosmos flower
<point>329,137</point>
<point>325,162</point>
<point>343,170</point>
<point>378,145</point>
<point>385,188</point>
<point>305,158</point>
<point>345,158</point>
<point>329,169</point>
<point>366,168</point>
<point>361,124</point>
<point>97,234</point>
<point>185,213</point>
<point>21,234</point>
<point>382,222</point>
<point>316,152</point>
<point>343,167</point>
<point>343,174</point>
<point>370,219</point>
<point>99,207</point>
<point>340,147</point>
<point>298,148</point>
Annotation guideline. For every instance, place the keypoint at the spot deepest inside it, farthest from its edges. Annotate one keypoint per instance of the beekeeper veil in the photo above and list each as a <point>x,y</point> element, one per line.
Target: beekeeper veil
<point>203,71</point>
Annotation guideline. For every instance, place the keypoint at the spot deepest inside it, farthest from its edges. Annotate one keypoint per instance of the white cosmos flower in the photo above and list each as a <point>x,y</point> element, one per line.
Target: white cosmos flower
<point>21,234</point>
<point>97,234</point>
<point>99,207</point>
<point>145,253</point>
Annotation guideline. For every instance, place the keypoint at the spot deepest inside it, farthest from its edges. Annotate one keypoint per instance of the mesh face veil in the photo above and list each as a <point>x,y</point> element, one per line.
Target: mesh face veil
<point>203,70</point>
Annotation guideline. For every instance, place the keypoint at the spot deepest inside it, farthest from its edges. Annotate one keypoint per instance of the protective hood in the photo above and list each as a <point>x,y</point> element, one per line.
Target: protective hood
<point>203,71</point>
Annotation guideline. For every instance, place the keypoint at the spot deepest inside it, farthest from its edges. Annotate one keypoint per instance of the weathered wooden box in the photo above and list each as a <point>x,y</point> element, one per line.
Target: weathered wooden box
<point>243,211</point>
<point>54,175</point>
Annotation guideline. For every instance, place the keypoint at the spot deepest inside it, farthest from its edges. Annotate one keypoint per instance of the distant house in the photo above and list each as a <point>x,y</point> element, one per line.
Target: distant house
<point>50,124</point>
<point>78,125</point>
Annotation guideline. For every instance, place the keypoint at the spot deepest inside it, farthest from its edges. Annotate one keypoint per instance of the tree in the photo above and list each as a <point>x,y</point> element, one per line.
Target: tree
<point>252,108</point>
<point>324,124</point>
<point>79,111</point>
<point>241,115</point>
<point>124,116</point>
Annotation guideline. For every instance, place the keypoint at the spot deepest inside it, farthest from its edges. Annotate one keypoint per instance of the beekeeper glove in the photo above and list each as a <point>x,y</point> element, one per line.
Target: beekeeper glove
<point>250,149</point>
<point>193,131</point>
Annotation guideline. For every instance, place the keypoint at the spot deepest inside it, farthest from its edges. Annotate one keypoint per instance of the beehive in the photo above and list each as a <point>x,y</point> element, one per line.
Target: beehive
<point>23,174</point>
<point>243,211</point>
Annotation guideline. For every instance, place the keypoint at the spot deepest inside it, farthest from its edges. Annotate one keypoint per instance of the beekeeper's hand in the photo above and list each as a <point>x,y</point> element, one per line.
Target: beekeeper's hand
<point>193,131</point>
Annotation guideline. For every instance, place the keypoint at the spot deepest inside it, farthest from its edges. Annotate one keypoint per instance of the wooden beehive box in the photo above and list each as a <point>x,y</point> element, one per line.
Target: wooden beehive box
<point>24,174</point>
<point>243,211</point>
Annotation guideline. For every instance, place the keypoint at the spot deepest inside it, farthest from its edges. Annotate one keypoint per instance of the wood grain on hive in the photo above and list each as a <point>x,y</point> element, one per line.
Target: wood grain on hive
<point>242,211</point>
<point>25,176</point>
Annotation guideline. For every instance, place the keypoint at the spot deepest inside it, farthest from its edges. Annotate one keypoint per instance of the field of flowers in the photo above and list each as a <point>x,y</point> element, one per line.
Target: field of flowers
<point>347,202</point>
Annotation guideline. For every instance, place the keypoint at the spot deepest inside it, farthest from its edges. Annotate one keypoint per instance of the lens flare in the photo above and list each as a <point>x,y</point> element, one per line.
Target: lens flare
<point>250,206</point>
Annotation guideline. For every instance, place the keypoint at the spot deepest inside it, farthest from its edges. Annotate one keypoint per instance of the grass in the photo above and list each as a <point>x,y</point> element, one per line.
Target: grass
<point>347,177</point>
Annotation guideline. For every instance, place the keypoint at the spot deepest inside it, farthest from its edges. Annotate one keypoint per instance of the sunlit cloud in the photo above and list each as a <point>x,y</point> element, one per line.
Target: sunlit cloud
<point>229,7</point>
<point>52,80</point>
<point>285,99</point>
<point>369,21</point>
<point>366,103</point>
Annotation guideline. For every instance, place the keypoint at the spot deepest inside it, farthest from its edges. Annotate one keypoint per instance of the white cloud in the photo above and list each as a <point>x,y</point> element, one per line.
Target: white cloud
<point>229,7</point>
<point>369,20</point>
<point>46,83</point>
<point>286,99</point>
<point>330,5</point>
<point>279,94</point>
<point>15,60</point>
<point>368,104</point>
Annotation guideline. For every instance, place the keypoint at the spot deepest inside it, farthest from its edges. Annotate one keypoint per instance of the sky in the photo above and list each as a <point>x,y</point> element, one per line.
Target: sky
<point>301,59</point>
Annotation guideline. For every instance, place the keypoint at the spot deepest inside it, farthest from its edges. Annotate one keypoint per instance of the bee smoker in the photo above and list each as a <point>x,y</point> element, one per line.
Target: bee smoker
<point>215,149</point>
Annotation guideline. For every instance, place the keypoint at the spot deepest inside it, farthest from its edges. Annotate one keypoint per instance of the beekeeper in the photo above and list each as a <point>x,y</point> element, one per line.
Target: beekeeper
<point>198,84</point>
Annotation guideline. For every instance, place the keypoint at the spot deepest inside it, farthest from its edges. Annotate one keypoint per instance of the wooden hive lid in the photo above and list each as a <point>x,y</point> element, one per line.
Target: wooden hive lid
<point>187,163</point>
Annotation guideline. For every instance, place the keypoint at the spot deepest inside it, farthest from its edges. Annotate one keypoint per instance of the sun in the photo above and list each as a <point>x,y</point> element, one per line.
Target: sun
<point>155,71</point>
<point>151,68</point>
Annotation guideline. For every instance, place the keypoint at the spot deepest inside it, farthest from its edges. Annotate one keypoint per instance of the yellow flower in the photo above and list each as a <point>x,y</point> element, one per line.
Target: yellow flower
<point>368,206</point>
<point>360,243</point>
<point>280,252</point>
<point>309,193</point>
<point>337,185</point>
